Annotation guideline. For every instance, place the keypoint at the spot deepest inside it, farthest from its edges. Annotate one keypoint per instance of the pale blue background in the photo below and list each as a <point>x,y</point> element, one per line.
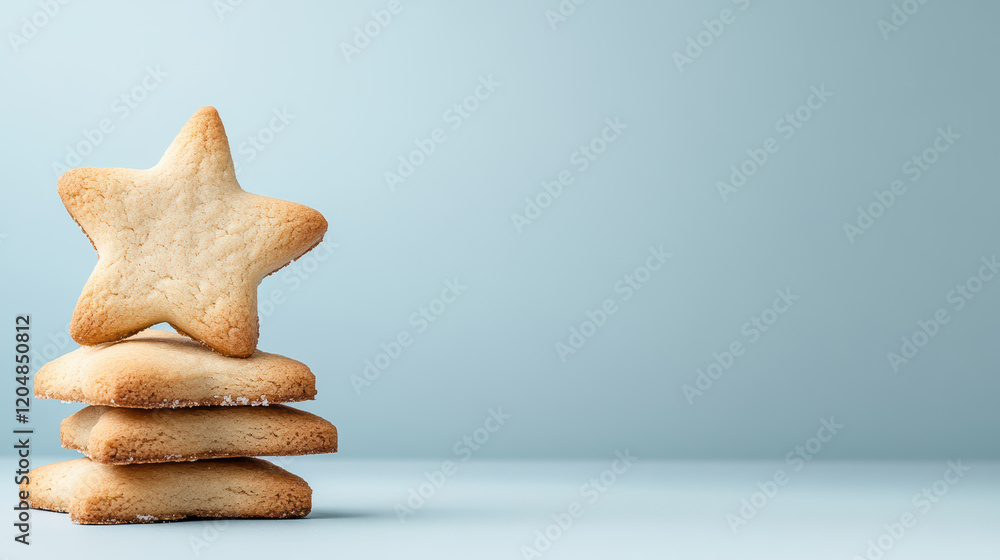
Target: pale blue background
<point>655,186</point>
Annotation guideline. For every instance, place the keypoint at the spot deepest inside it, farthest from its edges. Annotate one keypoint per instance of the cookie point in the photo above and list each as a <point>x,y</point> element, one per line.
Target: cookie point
<point>77,331</point>
<point>67,176</point>
<point>208,110</point>
<point>321,224</point>
<point>206,118</point>
<point>314,227</point>
<point>71,178</point>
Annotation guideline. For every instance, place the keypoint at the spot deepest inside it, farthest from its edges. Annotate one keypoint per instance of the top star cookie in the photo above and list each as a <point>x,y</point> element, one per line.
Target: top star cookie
<point>182,243</point>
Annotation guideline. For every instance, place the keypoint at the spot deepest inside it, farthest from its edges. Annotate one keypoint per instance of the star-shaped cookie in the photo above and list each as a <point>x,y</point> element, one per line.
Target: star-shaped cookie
<point>182,243</point>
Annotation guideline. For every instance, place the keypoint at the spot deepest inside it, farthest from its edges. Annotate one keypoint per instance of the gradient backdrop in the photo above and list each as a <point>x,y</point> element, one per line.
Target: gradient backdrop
<point>756,147</point>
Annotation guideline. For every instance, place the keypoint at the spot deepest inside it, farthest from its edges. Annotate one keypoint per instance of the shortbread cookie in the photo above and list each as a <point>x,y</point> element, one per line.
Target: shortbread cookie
<point>108,494</point>
<point>182,243</point>
<point>121,436</point>
<point>160,369</point>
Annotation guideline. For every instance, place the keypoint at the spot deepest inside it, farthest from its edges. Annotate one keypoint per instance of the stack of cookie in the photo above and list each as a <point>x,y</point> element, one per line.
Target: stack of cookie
<point>176,419</point>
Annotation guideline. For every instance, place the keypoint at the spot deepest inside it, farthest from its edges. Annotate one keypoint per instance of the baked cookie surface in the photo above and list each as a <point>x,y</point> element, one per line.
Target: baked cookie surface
<point>123,436</point>
<point>106,494</point>
<point>160,369</point>
<point>182,243</point>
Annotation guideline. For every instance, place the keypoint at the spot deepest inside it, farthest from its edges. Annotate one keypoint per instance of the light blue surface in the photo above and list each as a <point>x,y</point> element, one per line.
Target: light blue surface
<point>653,186</point>
<point>652,510</point>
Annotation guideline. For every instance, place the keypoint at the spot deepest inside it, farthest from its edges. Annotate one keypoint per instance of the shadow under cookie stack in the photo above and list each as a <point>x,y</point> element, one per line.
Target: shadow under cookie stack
<point>176,421</point>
